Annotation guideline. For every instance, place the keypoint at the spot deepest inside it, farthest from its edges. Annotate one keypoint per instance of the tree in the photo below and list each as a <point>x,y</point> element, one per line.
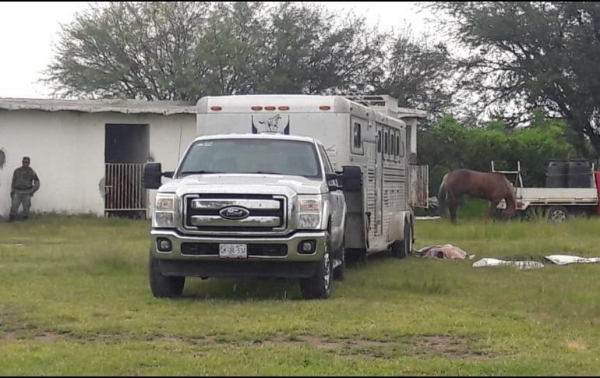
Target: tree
<point>419,73</point>
<point>232,48</point>
<point>449,145</point>
<point>185,50</point>
<point>525,55</point>
<point>140,50</point>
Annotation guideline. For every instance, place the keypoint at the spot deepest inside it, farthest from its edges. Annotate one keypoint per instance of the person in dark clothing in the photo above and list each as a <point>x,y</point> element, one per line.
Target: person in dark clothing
<point>25,183</point>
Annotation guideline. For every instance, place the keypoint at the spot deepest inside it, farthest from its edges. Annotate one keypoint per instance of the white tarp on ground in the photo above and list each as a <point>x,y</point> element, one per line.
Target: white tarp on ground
<point>496,262</point>
<point>556,259</point>
<point>451,252</point>
<point>566,259</point>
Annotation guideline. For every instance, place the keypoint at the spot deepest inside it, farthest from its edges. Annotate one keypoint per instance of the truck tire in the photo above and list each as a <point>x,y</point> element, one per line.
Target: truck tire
<point>557,214</point>
<point>401,249</point>
<point>319,286</point>
<point>163,286</point>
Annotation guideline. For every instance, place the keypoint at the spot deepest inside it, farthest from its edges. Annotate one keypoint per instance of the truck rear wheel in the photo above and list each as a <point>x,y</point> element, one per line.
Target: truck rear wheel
<point>163,286</point>
<point>319,285</point>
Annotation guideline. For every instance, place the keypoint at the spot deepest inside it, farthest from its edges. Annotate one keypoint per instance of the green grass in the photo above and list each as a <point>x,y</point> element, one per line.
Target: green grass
<point>74,300</point>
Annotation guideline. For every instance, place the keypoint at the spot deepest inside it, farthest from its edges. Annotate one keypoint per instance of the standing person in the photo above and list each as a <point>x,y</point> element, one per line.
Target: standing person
<point>25,183</point>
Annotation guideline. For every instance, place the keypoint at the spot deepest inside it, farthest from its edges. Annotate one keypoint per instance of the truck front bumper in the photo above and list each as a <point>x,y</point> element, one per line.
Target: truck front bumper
<point>267,256</point>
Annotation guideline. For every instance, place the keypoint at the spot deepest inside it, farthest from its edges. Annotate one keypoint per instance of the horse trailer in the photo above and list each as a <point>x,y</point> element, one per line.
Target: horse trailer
<point>368,131</point>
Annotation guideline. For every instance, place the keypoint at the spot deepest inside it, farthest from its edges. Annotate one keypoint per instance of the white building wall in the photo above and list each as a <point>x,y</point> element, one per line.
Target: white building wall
<point>67,152</point>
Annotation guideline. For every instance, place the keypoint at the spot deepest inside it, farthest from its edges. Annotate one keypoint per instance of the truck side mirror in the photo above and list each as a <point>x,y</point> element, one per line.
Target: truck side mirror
<point>152,175</point>
<point>351,178</point>
<point>332,176</point>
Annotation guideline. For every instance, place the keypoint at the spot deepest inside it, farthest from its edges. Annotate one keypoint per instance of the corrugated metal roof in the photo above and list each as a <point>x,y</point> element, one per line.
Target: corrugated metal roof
<point>99,106</point>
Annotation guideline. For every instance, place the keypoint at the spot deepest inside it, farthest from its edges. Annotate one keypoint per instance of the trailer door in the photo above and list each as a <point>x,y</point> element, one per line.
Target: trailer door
<point>418,187</point>
<point>381,149</point>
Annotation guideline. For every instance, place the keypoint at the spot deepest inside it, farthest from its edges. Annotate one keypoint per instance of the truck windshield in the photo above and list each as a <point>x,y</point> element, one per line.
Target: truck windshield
<point>269,156</point>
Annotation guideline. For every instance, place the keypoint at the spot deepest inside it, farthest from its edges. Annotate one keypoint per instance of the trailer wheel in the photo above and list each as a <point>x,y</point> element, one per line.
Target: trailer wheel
<point>557,214</point>
<point>401,249</point>
<point>163,286</point>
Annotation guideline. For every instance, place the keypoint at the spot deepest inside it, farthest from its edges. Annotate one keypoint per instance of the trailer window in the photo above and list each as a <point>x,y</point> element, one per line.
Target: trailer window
<point>385,143</point>
<point>393,146</point>
<point>357,135</point>
<point>398,144</point>
<point>379,141</point>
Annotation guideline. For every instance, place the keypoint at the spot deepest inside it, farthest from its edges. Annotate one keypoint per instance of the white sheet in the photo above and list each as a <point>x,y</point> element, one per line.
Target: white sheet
<point>568,259</point>
<point>497,262</point>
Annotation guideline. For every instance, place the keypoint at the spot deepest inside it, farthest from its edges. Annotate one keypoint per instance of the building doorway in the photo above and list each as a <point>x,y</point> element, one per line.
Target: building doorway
<point>127,147</point>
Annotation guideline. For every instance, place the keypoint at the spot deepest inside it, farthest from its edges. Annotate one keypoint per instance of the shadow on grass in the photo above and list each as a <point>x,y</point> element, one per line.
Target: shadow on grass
<point>263,289</point>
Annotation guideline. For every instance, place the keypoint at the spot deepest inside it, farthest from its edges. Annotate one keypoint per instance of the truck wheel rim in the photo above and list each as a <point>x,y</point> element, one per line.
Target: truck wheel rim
<point>327,276</point>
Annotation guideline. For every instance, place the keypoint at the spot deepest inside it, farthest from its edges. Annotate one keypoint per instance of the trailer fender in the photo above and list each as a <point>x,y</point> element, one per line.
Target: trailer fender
<point>396,228</point>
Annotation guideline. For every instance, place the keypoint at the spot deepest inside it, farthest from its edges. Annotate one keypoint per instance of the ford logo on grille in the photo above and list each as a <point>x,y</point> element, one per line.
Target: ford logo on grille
<point>234,213</point>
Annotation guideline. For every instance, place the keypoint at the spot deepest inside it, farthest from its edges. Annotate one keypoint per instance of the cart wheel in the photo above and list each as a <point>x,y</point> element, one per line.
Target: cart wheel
<point>557,214</point>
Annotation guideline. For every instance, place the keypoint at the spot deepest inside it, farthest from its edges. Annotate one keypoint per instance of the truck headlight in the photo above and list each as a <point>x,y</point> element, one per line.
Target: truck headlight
<point>309,213</point>
<point>165,207</point>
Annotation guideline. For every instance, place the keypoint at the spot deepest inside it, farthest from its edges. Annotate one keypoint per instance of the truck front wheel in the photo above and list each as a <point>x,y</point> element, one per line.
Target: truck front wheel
<point>319,285</point>
<point>339,273</point>
<point>163,286</point>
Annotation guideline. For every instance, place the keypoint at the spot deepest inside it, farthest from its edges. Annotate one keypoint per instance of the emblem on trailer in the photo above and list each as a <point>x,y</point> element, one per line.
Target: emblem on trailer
<point>234,213</point>
<point>270,125</point>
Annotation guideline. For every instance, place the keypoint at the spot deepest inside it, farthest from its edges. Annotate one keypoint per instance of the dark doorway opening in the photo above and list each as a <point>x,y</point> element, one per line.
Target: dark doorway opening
<point>127,147</point>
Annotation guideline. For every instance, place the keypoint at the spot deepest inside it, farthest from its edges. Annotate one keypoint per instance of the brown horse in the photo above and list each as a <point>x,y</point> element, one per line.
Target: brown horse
<point>490,186</point>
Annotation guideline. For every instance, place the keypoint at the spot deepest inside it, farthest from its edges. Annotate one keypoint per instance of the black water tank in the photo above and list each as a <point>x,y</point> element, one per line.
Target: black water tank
<point>580,173</point>
<point>556,176</point>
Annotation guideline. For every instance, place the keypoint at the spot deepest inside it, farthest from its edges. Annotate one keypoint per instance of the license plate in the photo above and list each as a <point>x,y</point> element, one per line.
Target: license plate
<point>233,251</point>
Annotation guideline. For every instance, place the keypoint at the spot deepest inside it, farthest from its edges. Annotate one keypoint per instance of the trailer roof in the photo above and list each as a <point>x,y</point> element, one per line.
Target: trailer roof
<point>290,103</point>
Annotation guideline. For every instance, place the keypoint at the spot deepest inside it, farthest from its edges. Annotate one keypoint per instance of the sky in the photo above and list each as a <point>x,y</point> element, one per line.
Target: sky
<point>30,30</point>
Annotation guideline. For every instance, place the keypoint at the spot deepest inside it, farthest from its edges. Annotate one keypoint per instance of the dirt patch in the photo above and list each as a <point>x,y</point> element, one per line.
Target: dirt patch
<point>320,342</point>
<point>576,345</point>
<point>279,340</point>
<point>24,334</point>
<point>445,346</point>
<point>48,336</point>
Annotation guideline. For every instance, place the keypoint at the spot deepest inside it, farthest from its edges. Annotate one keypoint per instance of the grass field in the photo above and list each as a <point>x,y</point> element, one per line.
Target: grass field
<point>74,300</point>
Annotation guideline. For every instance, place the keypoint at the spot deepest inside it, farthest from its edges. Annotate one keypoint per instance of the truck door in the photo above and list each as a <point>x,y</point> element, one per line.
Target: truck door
<point>337,202</point>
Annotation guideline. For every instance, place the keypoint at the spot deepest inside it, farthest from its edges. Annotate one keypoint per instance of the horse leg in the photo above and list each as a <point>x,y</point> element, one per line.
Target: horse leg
<point>493,209</point>
<point>452,205</point>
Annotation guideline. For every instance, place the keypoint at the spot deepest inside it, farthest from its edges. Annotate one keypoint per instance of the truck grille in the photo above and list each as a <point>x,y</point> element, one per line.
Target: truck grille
<point>262,213</point>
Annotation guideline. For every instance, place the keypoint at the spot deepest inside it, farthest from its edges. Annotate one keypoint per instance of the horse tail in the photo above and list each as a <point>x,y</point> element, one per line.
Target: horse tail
<point>442,196</point>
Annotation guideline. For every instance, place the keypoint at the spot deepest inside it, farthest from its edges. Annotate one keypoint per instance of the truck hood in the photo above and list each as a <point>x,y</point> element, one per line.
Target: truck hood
<point>244,183</point>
